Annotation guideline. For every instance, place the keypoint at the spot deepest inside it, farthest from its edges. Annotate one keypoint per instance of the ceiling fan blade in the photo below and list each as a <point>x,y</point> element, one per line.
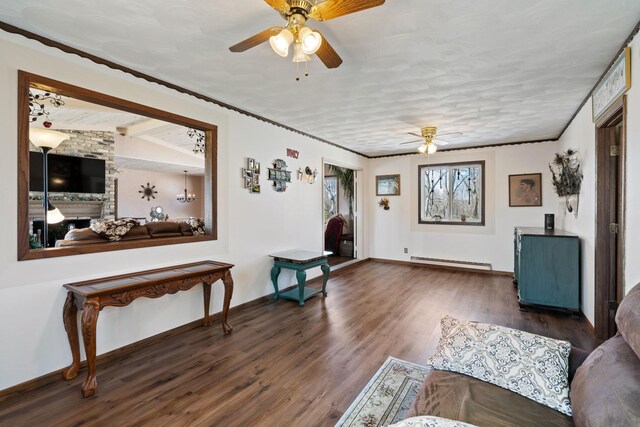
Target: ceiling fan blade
<point>450,133</point>
<point>412,142</point>
<point>331,9</point>
<point>439,141</point>
<point>328,55</point>
<point>415,134</point>
<point>255,40</point>
<point>280,5</point>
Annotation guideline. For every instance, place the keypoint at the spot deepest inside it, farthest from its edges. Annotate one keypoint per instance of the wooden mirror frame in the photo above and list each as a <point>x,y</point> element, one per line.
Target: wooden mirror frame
<point>27,80</point>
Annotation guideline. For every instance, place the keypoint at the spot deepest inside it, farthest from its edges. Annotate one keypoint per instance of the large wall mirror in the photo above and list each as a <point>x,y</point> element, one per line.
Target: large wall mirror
<point>98,173</point>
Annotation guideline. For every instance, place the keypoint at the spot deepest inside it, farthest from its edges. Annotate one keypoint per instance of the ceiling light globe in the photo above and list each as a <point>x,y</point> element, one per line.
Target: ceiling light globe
<point>310,40</point>
<point>432,148</point>
<point>298,54</point>
<point>280,43</point>
<point>44,138</point>
<point>422,149</point>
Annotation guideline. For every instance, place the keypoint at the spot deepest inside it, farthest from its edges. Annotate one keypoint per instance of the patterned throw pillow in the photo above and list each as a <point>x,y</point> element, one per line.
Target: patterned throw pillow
<point>534,366</point>
<point>113,229</point>
<point>197,226</point>
<point>430,421</point>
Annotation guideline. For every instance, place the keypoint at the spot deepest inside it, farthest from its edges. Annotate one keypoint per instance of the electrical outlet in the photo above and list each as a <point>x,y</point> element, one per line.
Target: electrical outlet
<point>406,250</point>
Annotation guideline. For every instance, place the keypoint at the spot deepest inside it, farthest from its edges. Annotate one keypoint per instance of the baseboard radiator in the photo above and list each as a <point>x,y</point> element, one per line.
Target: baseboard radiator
<point>452,263</point>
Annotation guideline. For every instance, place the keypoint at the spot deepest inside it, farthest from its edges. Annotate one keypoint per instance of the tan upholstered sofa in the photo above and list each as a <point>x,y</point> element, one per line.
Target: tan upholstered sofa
<point>605,387</point>
<point>150,230</point>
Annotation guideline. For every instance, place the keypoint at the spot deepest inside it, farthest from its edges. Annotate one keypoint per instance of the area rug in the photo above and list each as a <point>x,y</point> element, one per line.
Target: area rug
<point>387,397</point>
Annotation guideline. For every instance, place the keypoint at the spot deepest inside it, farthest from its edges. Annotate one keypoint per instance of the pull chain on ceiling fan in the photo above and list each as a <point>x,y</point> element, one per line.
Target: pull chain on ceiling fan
<point>306,42</point>
<point>429,140</point>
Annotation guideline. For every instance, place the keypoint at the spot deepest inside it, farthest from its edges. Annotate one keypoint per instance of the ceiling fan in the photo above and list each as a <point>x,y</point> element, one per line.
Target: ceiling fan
<point>305,41</point>
<point>429,140</point>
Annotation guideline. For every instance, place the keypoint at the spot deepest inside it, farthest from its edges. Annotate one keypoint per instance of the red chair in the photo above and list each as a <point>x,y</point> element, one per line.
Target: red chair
<point>333,235</point>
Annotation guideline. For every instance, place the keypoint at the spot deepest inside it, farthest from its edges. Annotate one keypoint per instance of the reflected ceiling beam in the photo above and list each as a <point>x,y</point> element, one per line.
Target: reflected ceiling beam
<point>140,127</point>
<point>136,163</point>
<point>166,144</point>
<point>156,150</point>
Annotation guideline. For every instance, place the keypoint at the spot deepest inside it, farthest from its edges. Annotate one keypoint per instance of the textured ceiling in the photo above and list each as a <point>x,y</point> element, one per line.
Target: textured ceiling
<point>497,70</point>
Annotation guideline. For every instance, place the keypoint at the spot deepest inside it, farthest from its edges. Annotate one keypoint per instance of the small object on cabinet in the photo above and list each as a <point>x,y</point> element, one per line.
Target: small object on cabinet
<point>549,221</point>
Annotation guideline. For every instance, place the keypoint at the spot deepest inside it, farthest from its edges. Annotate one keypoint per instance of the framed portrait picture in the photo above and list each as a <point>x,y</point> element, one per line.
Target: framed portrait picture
<point>525,190</point>
<point>388,185</point>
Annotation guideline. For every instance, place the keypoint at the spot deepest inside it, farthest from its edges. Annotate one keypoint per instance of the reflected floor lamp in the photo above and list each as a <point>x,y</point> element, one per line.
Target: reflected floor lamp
<point>47,140</point>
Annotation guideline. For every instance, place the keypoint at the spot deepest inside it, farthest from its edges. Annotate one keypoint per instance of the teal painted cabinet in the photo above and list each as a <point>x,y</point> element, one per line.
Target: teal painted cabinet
<point>547,268</point>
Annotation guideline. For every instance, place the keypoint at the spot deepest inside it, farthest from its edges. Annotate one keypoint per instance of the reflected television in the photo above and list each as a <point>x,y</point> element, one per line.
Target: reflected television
<point>67,174</point>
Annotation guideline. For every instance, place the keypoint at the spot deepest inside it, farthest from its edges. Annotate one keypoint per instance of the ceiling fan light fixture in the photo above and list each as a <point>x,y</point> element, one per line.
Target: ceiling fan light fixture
<point>431,148</point>
<point>423,148</point>
<point>280,43</point>
<point>298,53</point>
<point>310,40</point>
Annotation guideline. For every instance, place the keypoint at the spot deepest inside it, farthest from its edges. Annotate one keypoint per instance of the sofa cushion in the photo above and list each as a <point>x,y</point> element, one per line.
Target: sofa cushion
<point>456,396</point>
<point>628,319</point>
<point>185,228</point>
<point>113,230</point>
<point>532,365</point>
<point>80,234</point>
<point>430,421</point>
<point>606,388</point>
<point>197,226</point>
<point>163,229</point>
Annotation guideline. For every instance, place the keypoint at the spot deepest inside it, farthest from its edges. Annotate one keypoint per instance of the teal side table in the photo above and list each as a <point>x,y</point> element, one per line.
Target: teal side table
<point>300,261</point>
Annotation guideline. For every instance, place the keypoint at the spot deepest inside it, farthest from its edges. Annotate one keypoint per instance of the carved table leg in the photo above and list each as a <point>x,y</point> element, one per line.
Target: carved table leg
<point>90,311</point>
<point>69,315</point>
<point>228,292</point>
<point>301,275</point>
<point>275,272</point>
<point>325,277</point>
<point>206,291</point>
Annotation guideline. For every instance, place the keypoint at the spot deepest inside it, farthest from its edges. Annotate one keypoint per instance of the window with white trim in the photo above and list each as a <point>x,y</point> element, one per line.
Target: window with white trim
<point>451,193</point>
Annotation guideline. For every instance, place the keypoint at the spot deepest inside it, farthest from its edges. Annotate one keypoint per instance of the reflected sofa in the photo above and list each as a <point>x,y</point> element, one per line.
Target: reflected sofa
<point>150,230</point>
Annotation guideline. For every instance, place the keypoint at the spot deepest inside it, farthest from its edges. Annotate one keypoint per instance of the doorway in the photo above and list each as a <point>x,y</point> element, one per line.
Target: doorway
<point>610,194</point>
<point>340,213</point>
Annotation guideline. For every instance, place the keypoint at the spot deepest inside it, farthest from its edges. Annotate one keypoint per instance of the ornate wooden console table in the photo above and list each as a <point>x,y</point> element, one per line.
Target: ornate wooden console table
<point>93,295</point>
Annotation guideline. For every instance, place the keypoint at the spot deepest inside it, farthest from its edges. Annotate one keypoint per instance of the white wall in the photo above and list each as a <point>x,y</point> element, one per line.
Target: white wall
<point>168,185</point>
<point>32,335</point>
<point>398,228</point>
<point>580,135</point>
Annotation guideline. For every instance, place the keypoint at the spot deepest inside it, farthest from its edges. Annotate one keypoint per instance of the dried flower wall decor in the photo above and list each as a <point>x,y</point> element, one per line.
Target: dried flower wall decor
<point>566,175</point>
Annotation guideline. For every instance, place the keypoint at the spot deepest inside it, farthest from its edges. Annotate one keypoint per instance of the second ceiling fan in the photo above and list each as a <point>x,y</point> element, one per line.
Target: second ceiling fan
<point>429,140</point>
<point>306,41</point>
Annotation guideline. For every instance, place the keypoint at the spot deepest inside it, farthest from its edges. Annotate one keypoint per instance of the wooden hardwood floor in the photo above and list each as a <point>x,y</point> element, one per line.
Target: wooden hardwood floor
<point>285,365</point>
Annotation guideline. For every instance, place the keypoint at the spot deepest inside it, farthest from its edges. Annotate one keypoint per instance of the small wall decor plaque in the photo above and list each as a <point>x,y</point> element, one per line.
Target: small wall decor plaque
<point>615,83</point>
<point>279,175</point>
<point>251,176</point>
<point>148,191</point>
<point>292,153</point>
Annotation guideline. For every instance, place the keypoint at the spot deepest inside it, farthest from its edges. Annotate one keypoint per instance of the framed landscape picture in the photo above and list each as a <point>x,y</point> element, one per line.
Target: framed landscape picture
<point>388,185</point>
<point>525,190</point>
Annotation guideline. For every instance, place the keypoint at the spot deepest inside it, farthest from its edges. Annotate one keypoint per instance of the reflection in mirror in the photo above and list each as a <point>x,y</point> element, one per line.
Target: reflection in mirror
<point>105,176</point>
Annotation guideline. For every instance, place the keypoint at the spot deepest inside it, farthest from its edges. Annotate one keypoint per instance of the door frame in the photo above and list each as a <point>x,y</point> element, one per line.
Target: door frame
<point>358,244</point>
<point>604,324</point>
